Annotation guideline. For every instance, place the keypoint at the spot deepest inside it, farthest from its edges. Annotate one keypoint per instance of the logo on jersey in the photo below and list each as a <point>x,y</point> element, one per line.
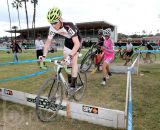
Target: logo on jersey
<point>51,33</point>
<point>71,32</point>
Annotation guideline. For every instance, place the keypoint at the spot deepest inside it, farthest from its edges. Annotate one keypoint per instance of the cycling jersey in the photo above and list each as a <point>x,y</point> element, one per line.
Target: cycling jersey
<point>109,52</point>
<point>69,30</point>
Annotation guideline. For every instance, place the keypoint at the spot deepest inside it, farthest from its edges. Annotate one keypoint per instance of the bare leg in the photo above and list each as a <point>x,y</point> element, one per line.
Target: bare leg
<point>105,68</point>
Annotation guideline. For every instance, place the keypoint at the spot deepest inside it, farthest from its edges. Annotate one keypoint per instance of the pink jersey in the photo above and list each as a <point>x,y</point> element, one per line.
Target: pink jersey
<point>108,49</point>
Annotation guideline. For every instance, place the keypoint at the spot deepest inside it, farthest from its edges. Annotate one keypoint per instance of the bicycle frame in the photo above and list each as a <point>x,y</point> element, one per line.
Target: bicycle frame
<point>59,75</point>
<point>90,50</point>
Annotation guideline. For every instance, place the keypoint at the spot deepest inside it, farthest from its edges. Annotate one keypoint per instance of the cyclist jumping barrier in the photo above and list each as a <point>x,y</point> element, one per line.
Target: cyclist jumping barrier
<point>83,112</point>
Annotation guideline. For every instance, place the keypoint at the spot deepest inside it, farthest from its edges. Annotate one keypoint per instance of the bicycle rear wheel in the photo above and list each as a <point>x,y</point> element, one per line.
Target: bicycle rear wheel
<point>152,57</point>
<point>81,86</point>
<point>49,100</point>
<point>86,63</point>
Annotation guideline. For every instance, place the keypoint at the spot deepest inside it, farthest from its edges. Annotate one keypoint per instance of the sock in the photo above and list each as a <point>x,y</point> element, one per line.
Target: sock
<point>109,73</point>
<point>74,79</point>
<point>104,79</point>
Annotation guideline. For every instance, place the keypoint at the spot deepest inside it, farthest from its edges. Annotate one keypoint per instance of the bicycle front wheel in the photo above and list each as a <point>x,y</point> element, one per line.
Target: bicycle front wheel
<point>81,86</point>
<point>49,100</point>
<point>86,63</point>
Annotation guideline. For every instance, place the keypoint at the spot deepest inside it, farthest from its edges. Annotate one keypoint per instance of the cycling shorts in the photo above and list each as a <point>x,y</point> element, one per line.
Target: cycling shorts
<point>129,53</point>
<point>109,60</point>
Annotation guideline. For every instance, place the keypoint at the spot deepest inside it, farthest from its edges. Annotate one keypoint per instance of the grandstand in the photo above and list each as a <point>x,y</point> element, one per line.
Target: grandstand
<point>88,31</point>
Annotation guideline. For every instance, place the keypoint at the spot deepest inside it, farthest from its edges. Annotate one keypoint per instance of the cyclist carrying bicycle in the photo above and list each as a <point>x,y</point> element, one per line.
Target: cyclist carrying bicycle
<point>100,43</point>
<point>99,52</point>
<point>128,50</point>
<point>108,54</point>
<point>71,45</point>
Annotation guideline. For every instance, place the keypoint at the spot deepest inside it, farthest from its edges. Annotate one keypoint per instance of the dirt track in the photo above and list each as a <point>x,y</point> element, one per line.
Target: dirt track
<point>18,117</point>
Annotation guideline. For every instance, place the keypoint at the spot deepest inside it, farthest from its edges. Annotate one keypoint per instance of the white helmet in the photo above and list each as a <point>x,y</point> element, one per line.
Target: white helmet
<point>107,32</point>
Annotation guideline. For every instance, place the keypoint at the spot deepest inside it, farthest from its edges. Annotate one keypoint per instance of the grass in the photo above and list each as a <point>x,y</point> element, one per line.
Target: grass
<point>145,90</point>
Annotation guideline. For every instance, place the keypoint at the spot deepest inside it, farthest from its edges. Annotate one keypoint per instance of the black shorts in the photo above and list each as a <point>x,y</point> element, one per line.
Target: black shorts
<point>129,53</point>
<point>39,53</point>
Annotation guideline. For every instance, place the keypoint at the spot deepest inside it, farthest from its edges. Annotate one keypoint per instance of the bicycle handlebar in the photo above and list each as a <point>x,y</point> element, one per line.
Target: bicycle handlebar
<point>58,63</point>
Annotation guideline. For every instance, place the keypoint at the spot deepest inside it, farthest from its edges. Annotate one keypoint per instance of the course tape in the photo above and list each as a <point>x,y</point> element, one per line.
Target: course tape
<point>123,47</point>
<point>29,61</point>
<point>28,75</point>
<point>3,49</point>
<point>130,105</point>
<point>24,76</point>
<point>154,51</point>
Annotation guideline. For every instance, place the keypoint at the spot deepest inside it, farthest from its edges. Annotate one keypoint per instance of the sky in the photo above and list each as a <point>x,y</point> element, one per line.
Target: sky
<point>130,16</point>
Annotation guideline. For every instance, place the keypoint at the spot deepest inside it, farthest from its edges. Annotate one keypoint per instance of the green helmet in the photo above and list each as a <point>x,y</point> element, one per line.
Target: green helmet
<point>54,14</point>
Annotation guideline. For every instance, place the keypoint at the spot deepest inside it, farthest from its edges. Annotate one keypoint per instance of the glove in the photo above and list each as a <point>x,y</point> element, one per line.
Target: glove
<point>67,60</point>
<point>41,58</point>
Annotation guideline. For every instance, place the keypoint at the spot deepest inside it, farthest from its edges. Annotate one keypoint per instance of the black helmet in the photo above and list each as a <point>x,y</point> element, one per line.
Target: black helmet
<point>100,32</point>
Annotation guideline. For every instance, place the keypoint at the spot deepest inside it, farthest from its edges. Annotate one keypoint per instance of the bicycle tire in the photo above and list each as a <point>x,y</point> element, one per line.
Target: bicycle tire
<point>50,96</point>
<point>86,55</point>
<point>87,63</point>
<point>152,57</point>
<point>82,84</point>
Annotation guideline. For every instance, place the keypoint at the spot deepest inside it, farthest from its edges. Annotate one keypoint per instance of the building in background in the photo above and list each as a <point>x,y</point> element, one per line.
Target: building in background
<point>88,31</point>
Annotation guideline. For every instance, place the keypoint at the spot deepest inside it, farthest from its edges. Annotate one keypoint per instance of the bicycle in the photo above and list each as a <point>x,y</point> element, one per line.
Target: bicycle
<point>88,59</point>
<point>151,58</point>
<point>51,93</point>
<point>119,54</point>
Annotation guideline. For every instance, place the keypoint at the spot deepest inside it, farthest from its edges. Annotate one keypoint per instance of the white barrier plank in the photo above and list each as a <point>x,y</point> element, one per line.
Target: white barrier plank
<point>92,114</point>
<point>121,69</point>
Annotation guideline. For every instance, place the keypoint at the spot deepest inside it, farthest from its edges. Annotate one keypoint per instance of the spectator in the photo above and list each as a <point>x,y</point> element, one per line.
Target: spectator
<point>15,49</point>
<point>39,44</point>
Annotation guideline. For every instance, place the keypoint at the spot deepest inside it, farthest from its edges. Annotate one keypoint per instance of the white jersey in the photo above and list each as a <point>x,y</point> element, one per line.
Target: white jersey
<point>68,30</point>
<point>39,44</point>
<point>129,47</point>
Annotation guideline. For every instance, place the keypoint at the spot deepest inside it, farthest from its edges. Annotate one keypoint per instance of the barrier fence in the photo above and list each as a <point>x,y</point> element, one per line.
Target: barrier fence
<point>119,118</point>
<point>128,107</point>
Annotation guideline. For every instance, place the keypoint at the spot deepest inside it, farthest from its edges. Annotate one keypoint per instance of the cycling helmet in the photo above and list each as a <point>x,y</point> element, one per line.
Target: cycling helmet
<point>54,14</point>
<point>100,32</point>
<point>107,32</point>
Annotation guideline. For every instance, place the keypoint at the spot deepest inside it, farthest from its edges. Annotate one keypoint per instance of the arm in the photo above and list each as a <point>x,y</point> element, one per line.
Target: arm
<point>46,46</point>
<point>76,45</point>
